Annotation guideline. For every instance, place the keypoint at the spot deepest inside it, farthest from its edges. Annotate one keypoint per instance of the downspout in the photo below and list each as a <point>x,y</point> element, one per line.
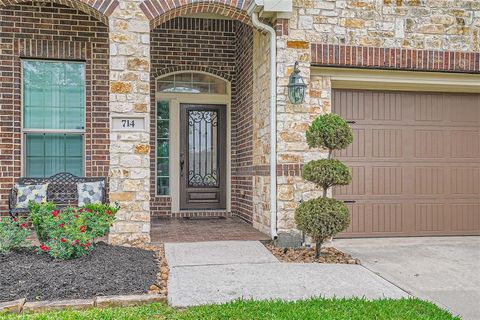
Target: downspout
<point>273,121</point>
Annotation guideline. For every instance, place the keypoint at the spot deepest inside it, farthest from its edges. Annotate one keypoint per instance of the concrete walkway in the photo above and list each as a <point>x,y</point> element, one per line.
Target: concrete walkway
<point>216,272</point>
<point>444,270</point>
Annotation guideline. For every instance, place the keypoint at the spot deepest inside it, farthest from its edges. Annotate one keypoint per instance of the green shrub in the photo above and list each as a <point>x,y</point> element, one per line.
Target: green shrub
<point>322,218</point>
<point>13,234</point>
<point>329,131</point>
<point>38,214</point>
<point>70,232</point>
<point>326,173</point>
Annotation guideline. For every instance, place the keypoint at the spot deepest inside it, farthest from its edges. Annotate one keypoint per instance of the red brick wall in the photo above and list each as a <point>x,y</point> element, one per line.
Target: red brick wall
<point>51,31</point>
<point>394,58</point>
<point>242,123</point>
<point>215,46</point>
<point>160,11</point>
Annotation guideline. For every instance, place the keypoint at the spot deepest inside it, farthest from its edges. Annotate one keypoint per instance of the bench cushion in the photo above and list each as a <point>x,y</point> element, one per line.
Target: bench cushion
<point>33,192</point>
<point>90,192</point>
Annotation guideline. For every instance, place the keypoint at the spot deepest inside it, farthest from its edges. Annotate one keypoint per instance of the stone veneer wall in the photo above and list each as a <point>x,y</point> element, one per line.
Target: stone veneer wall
<point>51,31</point>
<point>412,24</point>
<point>261,131</point>
<point>130,95</point>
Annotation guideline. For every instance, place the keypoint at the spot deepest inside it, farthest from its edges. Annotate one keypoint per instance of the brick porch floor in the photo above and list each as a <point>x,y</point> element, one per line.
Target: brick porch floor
<point>194,230</point>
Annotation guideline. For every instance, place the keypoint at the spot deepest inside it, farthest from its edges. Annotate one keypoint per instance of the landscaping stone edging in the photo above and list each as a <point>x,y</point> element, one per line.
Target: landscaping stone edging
<point>23,306</point>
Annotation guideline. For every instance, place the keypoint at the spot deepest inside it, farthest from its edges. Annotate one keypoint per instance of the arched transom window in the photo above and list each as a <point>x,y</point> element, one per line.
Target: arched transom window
<point>191,82</point>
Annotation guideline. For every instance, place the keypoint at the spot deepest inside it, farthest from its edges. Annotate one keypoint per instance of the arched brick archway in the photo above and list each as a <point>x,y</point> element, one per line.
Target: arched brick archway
<point>100,9</point>
<point>213,71</point>
<point>159,11</point>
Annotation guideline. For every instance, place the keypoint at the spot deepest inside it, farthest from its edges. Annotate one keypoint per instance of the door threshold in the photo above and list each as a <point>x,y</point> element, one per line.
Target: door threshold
<point>201,213</point>
<point>205,218</point>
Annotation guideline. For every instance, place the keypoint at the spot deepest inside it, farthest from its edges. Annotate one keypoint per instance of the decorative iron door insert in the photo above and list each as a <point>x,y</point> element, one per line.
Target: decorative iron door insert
<point>202,157</point>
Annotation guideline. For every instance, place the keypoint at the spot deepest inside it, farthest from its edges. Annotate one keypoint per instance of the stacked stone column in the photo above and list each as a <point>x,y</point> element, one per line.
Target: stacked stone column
<point>293,120</point>
<point>130,151</point>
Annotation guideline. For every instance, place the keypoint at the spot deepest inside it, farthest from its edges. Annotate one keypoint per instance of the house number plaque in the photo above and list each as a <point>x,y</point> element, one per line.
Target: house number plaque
<point>128,123</point>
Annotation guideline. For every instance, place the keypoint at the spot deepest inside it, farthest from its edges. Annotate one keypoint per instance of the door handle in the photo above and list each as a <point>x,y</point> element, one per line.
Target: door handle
<point>182,163</point>
<point>349,201</point>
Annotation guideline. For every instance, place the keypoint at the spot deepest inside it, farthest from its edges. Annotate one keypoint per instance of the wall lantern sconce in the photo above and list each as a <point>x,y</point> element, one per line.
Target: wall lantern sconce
<point>296,86</point>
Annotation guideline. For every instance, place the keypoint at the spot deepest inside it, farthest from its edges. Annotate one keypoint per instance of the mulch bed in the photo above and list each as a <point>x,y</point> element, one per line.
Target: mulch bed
<point>108,270</point>
<point>307,255</point>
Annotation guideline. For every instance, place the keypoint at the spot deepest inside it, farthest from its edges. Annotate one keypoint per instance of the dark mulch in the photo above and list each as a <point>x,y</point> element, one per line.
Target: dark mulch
<point>108,270</point>
<point>307,255</point>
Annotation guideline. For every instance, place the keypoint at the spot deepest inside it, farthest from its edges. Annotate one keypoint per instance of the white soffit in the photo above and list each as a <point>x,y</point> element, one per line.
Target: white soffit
<point>277,8</point>
<point>351,78</point>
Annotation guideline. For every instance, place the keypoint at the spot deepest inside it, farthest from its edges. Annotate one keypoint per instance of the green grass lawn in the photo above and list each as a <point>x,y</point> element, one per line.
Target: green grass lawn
<point>324,309</point>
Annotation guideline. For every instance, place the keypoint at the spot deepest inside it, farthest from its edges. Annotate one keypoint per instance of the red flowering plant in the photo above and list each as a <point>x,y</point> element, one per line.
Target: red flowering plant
<point>70,232</point>
<point>13,234</point>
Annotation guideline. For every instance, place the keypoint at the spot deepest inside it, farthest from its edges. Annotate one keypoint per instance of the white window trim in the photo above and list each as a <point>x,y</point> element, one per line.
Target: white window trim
<point>24,131</point>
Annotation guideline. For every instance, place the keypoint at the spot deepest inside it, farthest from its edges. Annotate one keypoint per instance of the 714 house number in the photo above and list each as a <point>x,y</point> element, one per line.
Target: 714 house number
<point>123,123</point>
<point>128,123</point>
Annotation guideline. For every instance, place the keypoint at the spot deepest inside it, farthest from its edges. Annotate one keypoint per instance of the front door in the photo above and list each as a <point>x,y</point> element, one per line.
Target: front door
<point>203,157</point>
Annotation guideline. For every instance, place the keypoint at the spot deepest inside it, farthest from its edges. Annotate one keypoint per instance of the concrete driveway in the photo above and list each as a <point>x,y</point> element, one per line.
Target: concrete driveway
<point>444,270</point>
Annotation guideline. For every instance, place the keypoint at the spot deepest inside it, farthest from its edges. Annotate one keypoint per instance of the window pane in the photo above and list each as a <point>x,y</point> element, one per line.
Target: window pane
<point>188,82</point>
<point>48,154</point>
<point>163,186</point>
<point>163,133</point>
<point>53,95</point>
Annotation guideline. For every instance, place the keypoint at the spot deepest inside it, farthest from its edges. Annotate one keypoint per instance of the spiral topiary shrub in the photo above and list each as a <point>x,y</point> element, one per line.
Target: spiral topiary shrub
<point>324,217</point>
<point>326,173</point>
<point>329,131</point>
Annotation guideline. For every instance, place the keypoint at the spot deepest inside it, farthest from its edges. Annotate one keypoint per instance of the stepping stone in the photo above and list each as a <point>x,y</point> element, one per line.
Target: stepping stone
<point>217,253</point>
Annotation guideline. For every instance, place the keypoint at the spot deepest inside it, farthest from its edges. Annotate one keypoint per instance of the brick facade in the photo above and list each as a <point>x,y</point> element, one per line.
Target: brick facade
<point>100,9</point>
<point>117,39</point>
<point>160,11</point>
<point>220,47</point>
<point>242,125</point>
<point>51,31</point>
<point>394,58</point>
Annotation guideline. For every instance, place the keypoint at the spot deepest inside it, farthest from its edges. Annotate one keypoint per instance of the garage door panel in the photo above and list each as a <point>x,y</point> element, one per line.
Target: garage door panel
<point>415,163</point>
<point>465,144</point>
<point>465,109</point>
<point>465,181</point>
<point>429,143</point>
<point>387,143</point>
<point>428,108</point>
<point>429,217</point>
<point>357,186</point>
<point>465,217</point>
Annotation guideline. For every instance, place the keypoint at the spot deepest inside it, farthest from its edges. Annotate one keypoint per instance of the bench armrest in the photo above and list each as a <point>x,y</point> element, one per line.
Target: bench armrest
<point>12,200</point>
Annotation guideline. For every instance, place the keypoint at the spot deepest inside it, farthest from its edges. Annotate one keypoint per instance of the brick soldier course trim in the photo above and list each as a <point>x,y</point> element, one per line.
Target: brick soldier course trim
<point>160,11</point>
<point>213,71</point>
<point>395,58</point>
<point>99,9</point>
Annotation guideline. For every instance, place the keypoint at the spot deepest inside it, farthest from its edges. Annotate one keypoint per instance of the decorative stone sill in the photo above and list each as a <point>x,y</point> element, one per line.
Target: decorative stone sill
<point>23,306</point>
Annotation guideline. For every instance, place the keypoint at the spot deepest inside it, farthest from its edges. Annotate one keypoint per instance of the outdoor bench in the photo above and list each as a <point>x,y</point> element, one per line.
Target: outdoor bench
<point>62,190</point>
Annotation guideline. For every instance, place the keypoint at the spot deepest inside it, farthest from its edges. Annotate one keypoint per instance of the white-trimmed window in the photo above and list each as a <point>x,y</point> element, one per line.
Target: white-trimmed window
<point>163,148</point>
<point>191,82</point>
<point>53,94</point>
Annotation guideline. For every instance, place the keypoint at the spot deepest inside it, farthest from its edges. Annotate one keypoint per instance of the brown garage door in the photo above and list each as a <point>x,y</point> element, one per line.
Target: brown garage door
<point>415,162</point>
